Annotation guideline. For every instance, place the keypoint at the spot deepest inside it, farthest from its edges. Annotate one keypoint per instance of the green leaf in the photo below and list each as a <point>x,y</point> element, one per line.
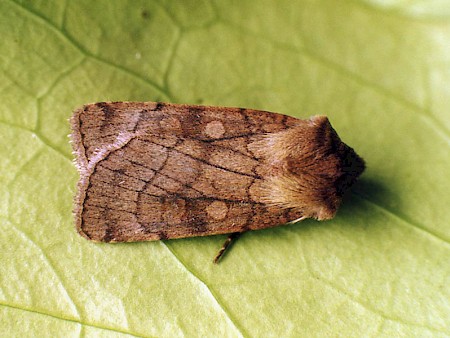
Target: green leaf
<point>378,69</point>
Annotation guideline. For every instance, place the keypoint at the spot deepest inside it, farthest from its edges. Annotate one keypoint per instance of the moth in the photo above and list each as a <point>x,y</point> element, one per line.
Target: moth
<point>155,171</point>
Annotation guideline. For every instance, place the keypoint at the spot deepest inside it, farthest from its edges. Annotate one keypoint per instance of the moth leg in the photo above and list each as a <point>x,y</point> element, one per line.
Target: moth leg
<point>226,245</point>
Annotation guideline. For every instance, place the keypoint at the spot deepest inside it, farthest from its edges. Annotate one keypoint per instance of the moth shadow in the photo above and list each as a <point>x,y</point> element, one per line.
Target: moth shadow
<point>369,187</point>
<point>358,203</point>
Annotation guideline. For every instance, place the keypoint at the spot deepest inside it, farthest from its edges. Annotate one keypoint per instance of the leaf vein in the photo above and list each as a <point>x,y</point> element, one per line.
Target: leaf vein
<point>72,320</point>
<point>404,219</point>
<point>84,51</point>
<point>224,309</point>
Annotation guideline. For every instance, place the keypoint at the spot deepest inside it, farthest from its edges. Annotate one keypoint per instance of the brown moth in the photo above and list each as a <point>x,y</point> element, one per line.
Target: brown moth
<point>151,170</point>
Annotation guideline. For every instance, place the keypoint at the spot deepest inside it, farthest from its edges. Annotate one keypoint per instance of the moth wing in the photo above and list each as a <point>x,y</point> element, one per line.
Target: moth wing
<point>154,171</point>
<point>99,125</point>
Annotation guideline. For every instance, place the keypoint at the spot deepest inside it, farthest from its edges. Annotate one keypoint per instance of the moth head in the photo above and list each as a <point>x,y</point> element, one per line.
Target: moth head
<point>311,168</point>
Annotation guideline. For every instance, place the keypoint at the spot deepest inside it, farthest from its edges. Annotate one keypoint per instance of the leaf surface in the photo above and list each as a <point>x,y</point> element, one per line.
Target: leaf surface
<point>380,71</point>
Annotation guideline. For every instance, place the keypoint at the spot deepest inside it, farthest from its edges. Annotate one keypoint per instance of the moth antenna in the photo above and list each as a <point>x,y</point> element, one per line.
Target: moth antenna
<point>233,237</point>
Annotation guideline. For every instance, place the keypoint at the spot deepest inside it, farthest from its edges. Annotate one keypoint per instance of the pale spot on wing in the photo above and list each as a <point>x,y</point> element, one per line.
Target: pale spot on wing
<point>217,210</point>
<point>215,129</point>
